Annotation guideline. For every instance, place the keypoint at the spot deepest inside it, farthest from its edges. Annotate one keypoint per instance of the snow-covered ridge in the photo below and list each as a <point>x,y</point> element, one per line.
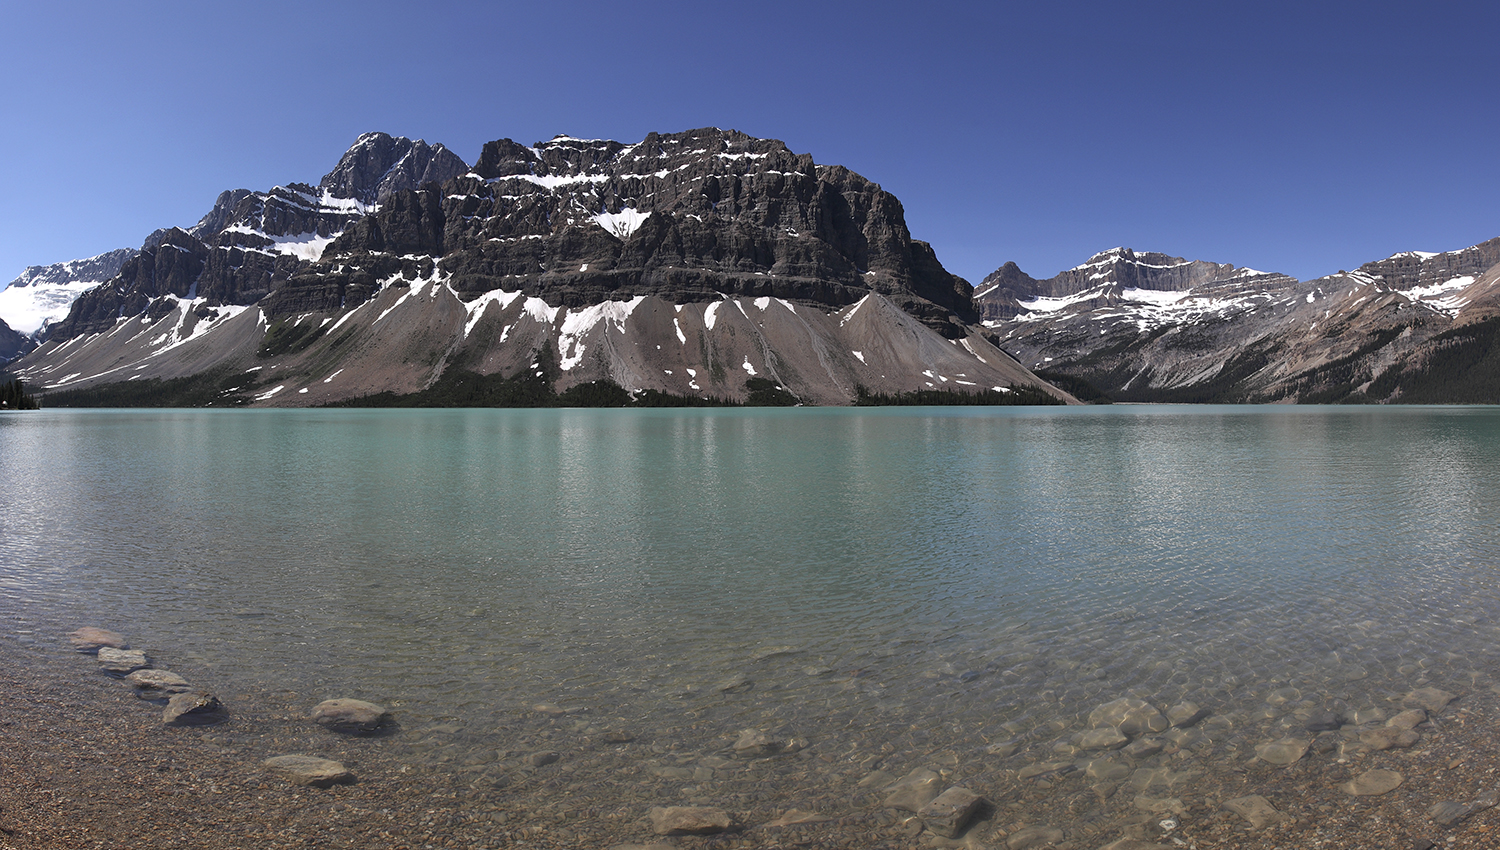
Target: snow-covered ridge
<point>42,295</point>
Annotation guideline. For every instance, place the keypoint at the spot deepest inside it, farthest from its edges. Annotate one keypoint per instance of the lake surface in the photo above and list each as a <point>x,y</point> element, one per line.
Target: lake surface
<point>874,589</point>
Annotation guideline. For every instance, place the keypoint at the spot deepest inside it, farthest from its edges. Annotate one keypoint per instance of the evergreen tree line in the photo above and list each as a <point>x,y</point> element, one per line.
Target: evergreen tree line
<point>13,395</point>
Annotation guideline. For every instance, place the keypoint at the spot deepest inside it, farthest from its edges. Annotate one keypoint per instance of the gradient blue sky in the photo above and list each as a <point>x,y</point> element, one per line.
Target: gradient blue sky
<point>1295,137</point>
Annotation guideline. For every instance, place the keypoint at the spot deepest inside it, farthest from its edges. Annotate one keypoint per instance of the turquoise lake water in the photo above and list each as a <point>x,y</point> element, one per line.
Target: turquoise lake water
<point>940,579</point>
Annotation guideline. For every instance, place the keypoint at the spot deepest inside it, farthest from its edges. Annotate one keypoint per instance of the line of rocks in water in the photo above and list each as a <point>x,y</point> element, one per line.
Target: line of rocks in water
<point>184,705</point>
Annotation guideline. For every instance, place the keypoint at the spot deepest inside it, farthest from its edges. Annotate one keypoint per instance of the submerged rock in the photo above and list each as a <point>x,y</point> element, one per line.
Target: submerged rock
<point>119,662</point>
<point>951,811</point>
<point>92,639</point>
<point>350,715</point>
<point>1432,699</point>
<point>153,684</point>
<point>1185,714</point>
<point>193,708</point>
<point>1285,751</point>
<point>688,820</point>
<point>1105,738</point>
<point>1386,737</point>
<point>1322,721</point>
<point>1130,716</point>
<point>913,791</point>
<point>308,770</point>
<point>1373,783</point>
<point>1033,836</point>
<point>797,817</point>
<point>1409,719</point>
<point>1255,809</point>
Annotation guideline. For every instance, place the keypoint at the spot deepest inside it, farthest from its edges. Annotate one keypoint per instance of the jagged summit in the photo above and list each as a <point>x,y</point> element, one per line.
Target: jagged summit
<point>378,165</point>
<point>686,263</point>
<point>683,215</point>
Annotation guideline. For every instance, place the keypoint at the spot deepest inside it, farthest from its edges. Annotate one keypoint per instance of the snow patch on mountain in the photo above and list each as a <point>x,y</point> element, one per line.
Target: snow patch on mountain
<point>577,324</point>
<point>622,223</point>
<point>1442,296</point>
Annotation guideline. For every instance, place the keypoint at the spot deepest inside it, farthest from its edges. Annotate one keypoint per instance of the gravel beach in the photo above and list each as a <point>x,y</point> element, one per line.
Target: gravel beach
<point>84,763</point>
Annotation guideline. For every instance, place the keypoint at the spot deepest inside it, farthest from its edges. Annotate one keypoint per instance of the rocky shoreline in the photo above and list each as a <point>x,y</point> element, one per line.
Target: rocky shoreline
<point>83,763</point>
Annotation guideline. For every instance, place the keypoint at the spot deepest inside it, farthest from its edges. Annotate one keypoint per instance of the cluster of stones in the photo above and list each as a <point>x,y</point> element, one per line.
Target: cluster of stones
<point>189,706</point>
<point>345,716</point>
<point>184,704</point>
<point>1137,731</point>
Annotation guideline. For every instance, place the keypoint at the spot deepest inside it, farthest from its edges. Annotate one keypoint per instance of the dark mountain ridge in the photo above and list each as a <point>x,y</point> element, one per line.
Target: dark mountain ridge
<point>669,265</point>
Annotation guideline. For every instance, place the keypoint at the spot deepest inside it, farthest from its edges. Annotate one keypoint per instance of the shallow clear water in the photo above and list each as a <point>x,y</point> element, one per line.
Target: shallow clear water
<point>935,579</point>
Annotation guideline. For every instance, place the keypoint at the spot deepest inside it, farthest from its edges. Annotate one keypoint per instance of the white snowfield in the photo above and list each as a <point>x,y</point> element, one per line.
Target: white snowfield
<point>28,308</point>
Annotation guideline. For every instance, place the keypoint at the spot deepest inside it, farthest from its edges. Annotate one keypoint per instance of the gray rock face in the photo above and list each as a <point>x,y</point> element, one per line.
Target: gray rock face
<point>308,770</point>
<point>193,708</point>
<point>13,343</point>
<point>99,268</point>
<point>378,166</point>
<point>351,716</point>
<point>688,820</point>
<point>1104,277</point>
<point>251,243</point>
<point>680,216</point>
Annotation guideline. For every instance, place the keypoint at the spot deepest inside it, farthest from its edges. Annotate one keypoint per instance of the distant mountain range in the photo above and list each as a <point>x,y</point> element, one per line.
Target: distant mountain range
<point>698,264</point>
<point>1414,327</point>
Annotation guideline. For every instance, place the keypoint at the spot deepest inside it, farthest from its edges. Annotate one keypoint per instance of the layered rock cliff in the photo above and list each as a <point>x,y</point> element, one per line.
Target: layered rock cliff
<point>694,264</point>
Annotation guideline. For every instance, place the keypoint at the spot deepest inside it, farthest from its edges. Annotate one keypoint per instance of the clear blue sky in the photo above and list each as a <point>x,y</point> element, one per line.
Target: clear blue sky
<point>1296,137</point>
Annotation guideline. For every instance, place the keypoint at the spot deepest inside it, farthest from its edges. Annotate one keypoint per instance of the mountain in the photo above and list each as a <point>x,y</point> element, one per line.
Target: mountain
<point>42,295</point>
<point>1414,327</point>
<point>13,343</point>
<point>701,263</point>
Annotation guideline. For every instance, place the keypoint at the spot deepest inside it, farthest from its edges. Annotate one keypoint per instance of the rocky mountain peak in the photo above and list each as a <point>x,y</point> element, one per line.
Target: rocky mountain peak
<point>378,165</point>
<point>1412,269</point>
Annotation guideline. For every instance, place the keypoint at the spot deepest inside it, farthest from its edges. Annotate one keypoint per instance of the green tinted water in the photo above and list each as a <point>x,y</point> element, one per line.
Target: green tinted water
<point>928,581</point>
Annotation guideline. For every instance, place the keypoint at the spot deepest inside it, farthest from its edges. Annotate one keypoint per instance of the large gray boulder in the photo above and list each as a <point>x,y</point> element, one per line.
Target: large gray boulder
<point>351,716</point>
